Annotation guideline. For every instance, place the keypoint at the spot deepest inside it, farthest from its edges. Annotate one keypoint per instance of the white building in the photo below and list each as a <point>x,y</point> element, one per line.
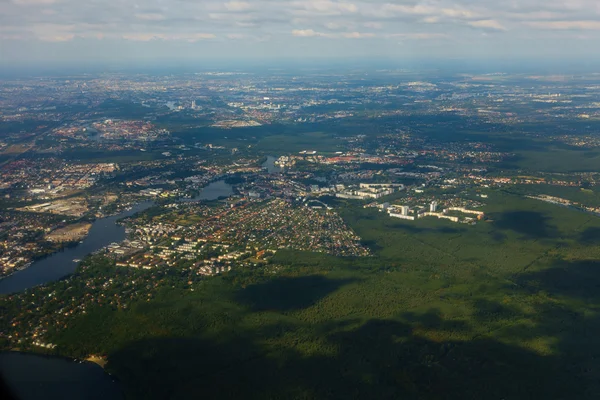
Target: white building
<point>433,206</point>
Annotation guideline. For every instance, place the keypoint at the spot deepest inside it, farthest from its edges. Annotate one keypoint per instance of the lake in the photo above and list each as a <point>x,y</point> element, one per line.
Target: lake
<point>34,377</point>
<point>214,191</point>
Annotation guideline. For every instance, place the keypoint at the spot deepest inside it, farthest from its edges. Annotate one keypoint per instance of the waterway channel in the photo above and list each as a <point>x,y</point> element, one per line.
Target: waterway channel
<point>269,164</point>
<point>102,233</point>
<point>37,377</point>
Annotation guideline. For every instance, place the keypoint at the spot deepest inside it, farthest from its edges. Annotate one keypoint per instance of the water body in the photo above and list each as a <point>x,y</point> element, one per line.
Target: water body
<point>102,233</point>
<point>171,105</point>
<point>215,190</point>
<point>269,164</point>
<point>35,377</point>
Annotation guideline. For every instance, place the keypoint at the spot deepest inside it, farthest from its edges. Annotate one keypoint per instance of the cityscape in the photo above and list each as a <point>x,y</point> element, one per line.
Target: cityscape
<point>294,209</point>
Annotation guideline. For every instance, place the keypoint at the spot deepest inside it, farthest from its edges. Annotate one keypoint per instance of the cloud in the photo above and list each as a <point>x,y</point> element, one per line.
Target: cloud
<point>487,24</point>
<point>418,36</point>
<point>188,37</point>
<point>357,35</point>
<point>283,24</point>
<point>408,9</point>
<point>344,35</point>
<point>322,7</point>
<point>306,33</point>
<point>565,25</point>
<point>237,6</point>
<point>33,2</point>
<point>458,13</point>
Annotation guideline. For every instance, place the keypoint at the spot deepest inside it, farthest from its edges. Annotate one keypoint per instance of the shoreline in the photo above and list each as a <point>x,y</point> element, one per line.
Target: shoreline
<point>98,360</point>
<point>94,359</point>
<point>126,212</point>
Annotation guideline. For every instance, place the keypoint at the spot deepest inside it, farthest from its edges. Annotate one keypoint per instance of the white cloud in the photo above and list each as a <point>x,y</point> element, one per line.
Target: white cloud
<point>287,23</point>
<point>305,33</point>
<point>487,24</point>
<point>404,9</point>
<point>237,6</point>
<point>418,36</point>
<point>431,20</point>
<point>565,25</point>
<point>343,35</point>
<point>34,2</point>
<point>458,13</point>
<point>188,37</point>
<point>357,35</point>
<point>323,7</point>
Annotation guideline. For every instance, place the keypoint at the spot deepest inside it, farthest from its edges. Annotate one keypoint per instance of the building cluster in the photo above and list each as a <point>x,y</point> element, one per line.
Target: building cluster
<point>433,209</point>
<point>222,235</point>
<point>27,236</point>
<point>51,178</point>
<point>566,203</point>
<point>112,129</point>
<point>366,191</point>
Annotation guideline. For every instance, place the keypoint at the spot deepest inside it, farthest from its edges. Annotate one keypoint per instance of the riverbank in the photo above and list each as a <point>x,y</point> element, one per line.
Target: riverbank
<point>103,232</point>
<point>94,359</point>
<point>98,360</point>
<point>70,233</point>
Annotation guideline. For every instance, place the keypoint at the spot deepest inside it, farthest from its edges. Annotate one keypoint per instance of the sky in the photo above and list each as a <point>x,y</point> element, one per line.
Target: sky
<point>155,31</point>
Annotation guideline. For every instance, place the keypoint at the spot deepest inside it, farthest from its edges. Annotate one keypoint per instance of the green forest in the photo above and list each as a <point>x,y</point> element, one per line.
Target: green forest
<point>505,309</point>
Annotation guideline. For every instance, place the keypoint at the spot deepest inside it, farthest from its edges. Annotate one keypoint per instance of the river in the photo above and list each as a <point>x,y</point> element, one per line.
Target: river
<point>102,233</point>
<point>269,164</point>
<point>36,377</point>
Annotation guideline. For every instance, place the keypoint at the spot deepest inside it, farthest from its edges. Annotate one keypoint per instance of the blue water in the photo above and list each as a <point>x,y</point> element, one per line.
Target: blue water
<point>102,233</point>
<point>269,164</point>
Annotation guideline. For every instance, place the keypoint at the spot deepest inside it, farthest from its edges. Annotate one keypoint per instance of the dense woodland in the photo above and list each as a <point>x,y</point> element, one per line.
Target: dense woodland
<point>503,309</point>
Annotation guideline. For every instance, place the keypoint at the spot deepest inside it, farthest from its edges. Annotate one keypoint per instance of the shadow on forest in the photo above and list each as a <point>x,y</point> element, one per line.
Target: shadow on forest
<point>433,320</point>
<point>413,229</point>
<point>532,224</point>
<point>382,359</point>
<point>590,236</point>
<point>498,236</point>
<point>578,280</point>
<point>284,294</point>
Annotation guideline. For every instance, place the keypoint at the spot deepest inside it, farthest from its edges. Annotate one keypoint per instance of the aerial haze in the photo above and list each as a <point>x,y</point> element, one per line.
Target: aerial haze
<point>300,199</point>
<point>67,32</point>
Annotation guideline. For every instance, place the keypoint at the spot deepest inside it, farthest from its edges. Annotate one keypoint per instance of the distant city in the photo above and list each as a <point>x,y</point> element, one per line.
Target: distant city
<point>439,203</point>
